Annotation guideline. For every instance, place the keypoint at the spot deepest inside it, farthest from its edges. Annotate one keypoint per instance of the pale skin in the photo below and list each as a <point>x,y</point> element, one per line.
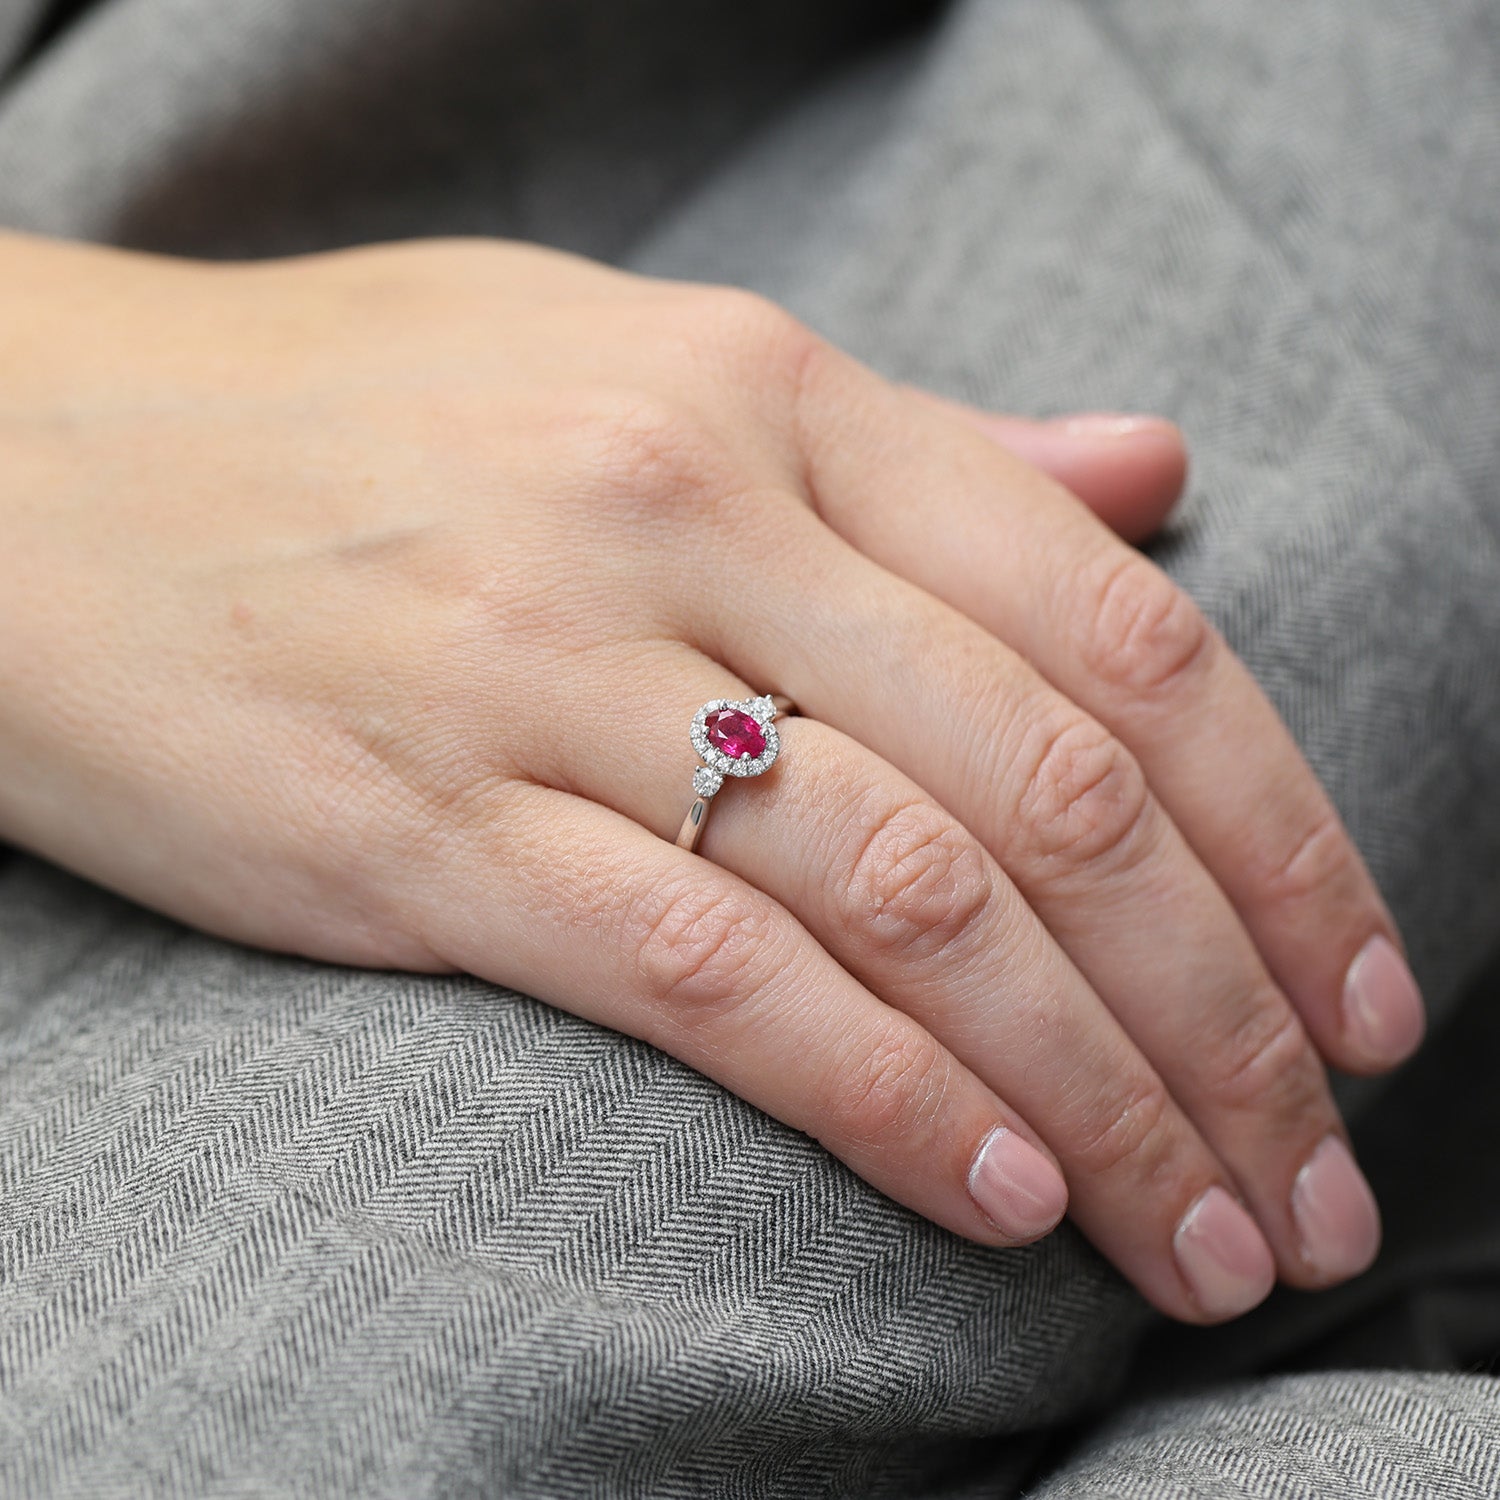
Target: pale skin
<point>356,606</point>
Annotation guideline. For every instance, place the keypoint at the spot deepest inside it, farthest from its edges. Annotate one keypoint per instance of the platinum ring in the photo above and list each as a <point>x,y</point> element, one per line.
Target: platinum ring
<point>733,737</point>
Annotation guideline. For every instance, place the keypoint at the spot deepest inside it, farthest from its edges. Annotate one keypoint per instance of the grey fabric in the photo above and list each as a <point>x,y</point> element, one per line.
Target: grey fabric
<point>18,18</point>
<point>1385,1437</point>
<point>268,1227</point>
<point>279,125</point>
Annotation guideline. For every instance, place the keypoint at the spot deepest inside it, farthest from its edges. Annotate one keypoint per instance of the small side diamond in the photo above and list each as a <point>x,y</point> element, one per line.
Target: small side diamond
<point>706,781</point>
<point>764,708</point>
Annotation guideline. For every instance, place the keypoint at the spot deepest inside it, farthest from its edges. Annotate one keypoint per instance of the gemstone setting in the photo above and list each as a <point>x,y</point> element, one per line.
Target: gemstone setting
<point>733,738</point>
<point>734,732</point>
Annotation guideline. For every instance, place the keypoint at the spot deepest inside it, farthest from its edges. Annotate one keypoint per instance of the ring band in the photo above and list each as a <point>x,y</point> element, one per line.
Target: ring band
<point>733,737</point>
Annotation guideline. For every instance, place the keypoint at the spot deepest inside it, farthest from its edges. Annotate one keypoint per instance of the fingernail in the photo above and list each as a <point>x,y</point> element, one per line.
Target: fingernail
<point>1222,1255</point>
<point>1382,1004</point>
<point>1107,425</point>
<point>1335,1213</point>
<point>1017,1188</point>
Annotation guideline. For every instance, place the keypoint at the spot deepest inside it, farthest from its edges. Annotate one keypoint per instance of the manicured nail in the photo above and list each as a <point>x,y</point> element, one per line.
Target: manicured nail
<point>1017,1188</point>
<point>1105,425</point>
<point>1335,1213</point>
<point>1382,1004</point>
<point>1223,1257</point>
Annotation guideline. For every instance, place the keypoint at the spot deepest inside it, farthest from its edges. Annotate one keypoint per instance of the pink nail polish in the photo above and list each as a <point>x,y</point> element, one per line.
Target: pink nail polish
<point>1382,1005</point>
<point>1104,425</point>
<point>1015,1186</point>
<point>1223,1257</point>
<point>1335,1212</point>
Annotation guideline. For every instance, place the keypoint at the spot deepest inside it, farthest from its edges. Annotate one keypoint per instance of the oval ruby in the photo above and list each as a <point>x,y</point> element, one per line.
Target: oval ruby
<point>735,733</point>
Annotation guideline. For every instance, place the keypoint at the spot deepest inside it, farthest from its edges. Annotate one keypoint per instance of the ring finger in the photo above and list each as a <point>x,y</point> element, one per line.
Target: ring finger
<point>912,905</point>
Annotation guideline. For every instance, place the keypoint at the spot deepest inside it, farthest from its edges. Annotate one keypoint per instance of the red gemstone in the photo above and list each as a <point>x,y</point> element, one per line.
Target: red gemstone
<point>735,733</point>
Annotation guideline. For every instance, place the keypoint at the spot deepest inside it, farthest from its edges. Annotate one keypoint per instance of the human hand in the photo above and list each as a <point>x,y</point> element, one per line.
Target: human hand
<point>358,605</point>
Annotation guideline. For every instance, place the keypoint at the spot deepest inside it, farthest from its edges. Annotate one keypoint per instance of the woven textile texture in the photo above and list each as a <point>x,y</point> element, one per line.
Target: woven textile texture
<point>274,1228</point>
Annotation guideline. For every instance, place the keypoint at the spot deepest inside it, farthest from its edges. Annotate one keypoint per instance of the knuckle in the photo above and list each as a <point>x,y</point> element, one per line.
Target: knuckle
<point>1128,1135</point>
<point>1268,1066</point>
<point>640,449</point>
<point>918,882</point>
<point>1319,857</point>
<point>1085,799</point>
<point>697,948</point>
<point>749,324</point>
<point>756,343</point>
<point>1145,635</point>
<point>896,1092</point>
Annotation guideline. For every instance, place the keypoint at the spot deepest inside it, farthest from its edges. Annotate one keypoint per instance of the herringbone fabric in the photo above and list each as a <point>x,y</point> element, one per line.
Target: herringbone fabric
<point>276,1228</point>
<point>1387,1436</point>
